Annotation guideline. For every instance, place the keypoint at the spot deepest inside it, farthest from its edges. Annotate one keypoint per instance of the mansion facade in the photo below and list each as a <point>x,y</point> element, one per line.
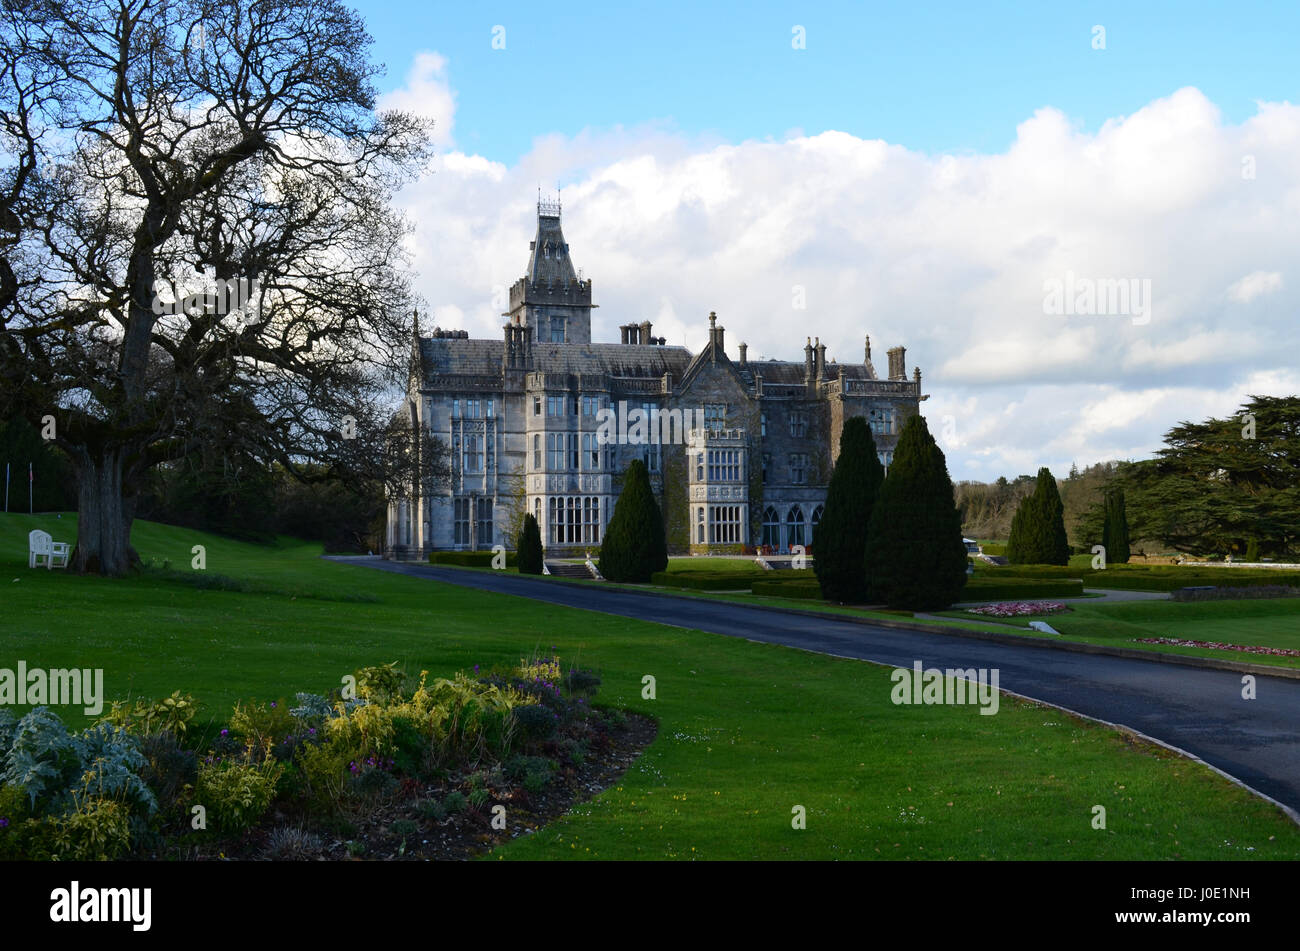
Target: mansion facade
<point>545,421</point>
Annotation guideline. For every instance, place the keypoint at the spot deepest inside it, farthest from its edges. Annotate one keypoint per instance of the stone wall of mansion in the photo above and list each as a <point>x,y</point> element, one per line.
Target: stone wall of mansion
<point>545,421</point>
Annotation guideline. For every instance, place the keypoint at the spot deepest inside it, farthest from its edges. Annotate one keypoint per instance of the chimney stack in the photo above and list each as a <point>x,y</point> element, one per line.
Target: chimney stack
<point>821,359</point>
<point>897,363</point>
<point>868,358</point>
<point>744,350</point>
<point>808,360</point>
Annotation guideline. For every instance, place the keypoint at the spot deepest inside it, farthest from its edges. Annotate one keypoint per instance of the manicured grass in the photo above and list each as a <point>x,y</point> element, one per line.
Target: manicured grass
<point>747,731</point>
<point>1267,622</point>
<point>728,565</point>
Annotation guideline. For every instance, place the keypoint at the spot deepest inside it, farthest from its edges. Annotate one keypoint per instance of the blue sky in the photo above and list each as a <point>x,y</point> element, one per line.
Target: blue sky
<point>934,77</point>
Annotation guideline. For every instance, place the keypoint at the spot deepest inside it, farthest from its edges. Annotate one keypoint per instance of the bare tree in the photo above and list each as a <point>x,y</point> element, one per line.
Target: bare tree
<point>221,255</point>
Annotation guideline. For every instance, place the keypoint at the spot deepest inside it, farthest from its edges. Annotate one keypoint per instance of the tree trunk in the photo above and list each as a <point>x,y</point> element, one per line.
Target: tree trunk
<point>104,516</point>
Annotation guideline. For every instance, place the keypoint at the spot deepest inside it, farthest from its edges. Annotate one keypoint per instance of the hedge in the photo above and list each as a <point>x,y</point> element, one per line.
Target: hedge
<point>1145,577</point>
<point>705,580</point>
<point>468,559</point>
<point>807,589</point>
<point>1026,589</point>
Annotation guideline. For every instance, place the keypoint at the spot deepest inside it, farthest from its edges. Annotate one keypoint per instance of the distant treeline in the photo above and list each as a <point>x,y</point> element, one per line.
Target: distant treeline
<point>987,507</point>
<point>1222,487</point>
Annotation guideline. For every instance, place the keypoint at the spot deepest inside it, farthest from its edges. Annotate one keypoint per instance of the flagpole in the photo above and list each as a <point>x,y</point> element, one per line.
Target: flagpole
<point>29,488</point>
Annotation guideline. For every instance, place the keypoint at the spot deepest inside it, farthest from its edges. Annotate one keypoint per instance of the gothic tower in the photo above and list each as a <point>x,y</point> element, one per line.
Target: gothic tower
<point>550,300</point>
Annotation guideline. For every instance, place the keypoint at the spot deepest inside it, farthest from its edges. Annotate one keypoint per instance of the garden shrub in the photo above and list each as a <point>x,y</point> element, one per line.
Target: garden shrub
<point>236,795</point>
<point>535,722</point>
<point>98,830</point>
<point>148,717</point>
<point>385,683</point>
<point>261,726</point>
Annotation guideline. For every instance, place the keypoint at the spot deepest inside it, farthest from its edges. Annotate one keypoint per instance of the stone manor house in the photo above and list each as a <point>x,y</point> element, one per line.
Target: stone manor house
<point>739,451</point>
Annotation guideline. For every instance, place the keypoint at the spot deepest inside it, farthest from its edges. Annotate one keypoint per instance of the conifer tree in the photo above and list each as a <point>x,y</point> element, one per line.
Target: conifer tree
<point>915,558</point>
<point>529,547</point>
<point>634,547</point>
<point>1114,532</point>
<point>839,553</point>
<point>1038,528</point>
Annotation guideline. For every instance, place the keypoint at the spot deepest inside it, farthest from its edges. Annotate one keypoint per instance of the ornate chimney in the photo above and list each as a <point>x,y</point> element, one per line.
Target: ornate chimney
<point>897,363</point>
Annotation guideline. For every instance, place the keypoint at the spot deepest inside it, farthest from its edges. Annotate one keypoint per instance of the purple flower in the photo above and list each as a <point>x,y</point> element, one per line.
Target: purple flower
<point>4,823</point>
<point>272,704</point>
<point>224,732</point>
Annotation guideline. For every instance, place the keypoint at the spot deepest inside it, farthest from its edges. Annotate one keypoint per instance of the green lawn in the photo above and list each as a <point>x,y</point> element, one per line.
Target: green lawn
<point>747,731</point>
<point>1267,622</point>
<point>730,565</point>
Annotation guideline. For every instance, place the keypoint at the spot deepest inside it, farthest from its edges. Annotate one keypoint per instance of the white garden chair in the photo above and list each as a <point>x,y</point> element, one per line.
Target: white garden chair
<point>41,546</point>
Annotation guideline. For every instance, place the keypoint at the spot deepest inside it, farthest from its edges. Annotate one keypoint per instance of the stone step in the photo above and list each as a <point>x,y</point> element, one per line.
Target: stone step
<point>567,570</point>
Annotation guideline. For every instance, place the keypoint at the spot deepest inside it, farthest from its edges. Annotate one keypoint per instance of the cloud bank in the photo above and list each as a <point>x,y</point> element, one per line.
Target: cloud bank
<point>948,255</point>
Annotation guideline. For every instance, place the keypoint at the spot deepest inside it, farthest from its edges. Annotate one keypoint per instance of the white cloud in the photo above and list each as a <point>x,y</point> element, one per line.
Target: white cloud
<point>1255,284</point>
<point>945,254</point>
<point>427,93</point>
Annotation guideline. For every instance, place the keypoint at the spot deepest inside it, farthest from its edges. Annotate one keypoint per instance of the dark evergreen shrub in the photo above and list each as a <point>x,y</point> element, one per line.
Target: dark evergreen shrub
<point>915,557</point>
<point>634,547</point>
<point>838,539</point>
<point>529,556</point>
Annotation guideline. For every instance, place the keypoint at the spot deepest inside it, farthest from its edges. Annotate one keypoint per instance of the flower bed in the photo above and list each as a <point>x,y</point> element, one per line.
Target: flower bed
<point>388,766</point>
<point>1219,645</point>
<point>1019,609</point>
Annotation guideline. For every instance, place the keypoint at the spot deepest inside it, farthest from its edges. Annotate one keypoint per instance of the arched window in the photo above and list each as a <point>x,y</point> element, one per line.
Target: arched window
<point>794,526</point>
<point>817,514</point>
<point>771,527</point>
<point>699,523</point>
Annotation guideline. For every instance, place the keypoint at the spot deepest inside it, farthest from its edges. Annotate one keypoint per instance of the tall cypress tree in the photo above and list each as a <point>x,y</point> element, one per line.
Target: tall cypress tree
<point>915,558</point>
<point>1038,527</point>
<point>839,555</point>
<point>1114,531</point>
<point>1016,540</point>
<point>529,547</point>
<point>1058,542</point>
<point>634,547</point>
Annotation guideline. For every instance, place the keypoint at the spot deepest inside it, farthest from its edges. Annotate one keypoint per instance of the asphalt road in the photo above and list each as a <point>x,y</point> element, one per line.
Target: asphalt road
<point>1200,711</point>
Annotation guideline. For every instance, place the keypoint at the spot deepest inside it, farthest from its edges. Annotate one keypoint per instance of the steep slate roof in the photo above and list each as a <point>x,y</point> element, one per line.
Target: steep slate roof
<point>549,262</point>
<point>441,355</point>
<point>790,371</point>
